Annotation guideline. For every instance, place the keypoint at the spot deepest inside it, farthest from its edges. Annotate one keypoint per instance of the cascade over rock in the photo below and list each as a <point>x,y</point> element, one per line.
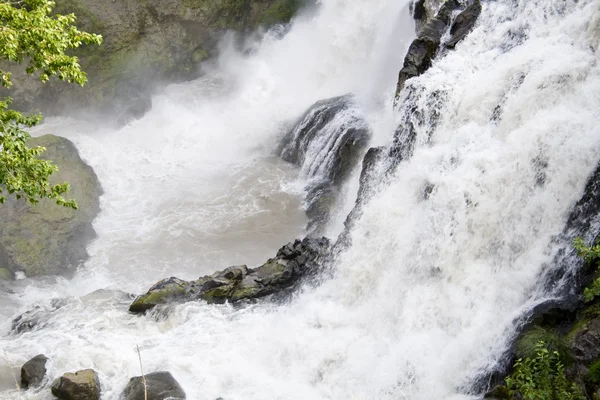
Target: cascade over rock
<point>327,143</point>
<point>47,239</point>
<point>429,38</point>
<point>575,322</point>
<point>293,261</point>
<point>145,43</point>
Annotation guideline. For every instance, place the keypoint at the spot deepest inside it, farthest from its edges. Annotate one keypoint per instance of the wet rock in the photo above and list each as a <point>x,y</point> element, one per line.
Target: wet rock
<point>37,317</point>
<point>48,239</point>
<point>327,140</point>
<point>165,291</point>
<point>584,337</point>
<point>81,385</point>
<point>326,144</point>
<point>159,386</point>
<point>464,23</point>
<point>293,261</point>
<point>429,37</point>
<point>33,371</point>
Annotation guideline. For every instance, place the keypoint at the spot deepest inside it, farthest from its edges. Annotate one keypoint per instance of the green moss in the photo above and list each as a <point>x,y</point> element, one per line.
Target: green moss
<point>159,296</point>
<point>588,314</point>
<point>593,374</point>
<point>219,294</point>
<point>245,292</point>
<point>527,345</point>
<point>281,11</point>
<point>5,274</point>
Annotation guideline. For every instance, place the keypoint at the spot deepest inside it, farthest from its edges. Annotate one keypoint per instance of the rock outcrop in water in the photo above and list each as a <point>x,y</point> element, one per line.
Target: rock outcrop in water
<point>159,386</point>
<point>429,39</point>
<point>81,385</point>
<point>326,143</point>
<point>293,261</point>
<point>46,239</point>
<point>33,371</point>
<point>145,42</point>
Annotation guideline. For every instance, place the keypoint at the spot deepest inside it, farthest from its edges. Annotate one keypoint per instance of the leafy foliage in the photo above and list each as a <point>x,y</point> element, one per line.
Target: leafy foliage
<point>590,255</point>
<point>527,345</point>
<point>31,34</point>
<point>541,377</point>
<point>593,374</point>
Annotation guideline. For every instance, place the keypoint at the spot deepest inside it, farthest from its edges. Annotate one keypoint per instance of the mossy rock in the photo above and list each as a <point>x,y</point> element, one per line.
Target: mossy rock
<point>48,239</point>
<point>165,291</point>
<point>5,274</point>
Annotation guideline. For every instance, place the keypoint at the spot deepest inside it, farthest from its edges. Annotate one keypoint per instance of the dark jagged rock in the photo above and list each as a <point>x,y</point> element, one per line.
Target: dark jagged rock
<point>37,317</point>
<point>429,38</point>
<point>327,140</point>
<point>463,24</point>
<point>47,239</point>
<point>33,371</point>
<point>293,261</point>
<point>159,386</point>
<point>327,144</point>
<point>81,385</point>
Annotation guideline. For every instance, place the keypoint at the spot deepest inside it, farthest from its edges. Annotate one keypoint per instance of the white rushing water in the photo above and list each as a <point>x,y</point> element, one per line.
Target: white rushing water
<point>426,296</point>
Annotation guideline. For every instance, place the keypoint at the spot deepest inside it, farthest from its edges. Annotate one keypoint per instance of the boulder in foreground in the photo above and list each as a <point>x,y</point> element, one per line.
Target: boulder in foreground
<point>159,386</point>
<point>33,371</point>
<point>81,385</point>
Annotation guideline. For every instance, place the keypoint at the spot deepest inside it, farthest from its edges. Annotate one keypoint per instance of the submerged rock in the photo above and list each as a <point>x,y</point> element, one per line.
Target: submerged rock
<point>46,238</point>
<point>159,386</point>
<point>292,262</point>
<point>33,371</point>
<point>81,385</point>
<point>326,143</point>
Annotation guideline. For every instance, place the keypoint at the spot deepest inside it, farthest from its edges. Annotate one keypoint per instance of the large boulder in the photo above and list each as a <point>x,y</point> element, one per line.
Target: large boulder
<point>46,238</point>
<point>293,261</point>
<point>33,371</point>
<point>158,386</point>
<point>81,385</point>
<point>145,43</point>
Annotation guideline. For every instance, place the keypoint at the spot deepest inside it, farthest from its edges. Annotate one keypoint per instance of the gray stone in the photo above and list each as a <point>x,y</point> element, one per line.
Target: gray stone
<point>33,371</point>
<point>81,385</point>
<point>159,386</point>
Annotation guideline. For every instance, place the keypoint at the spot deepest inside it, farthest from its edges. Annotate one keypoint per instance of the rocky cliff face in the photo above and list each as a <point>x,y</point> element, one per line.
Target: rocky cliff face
<point>145,42</point>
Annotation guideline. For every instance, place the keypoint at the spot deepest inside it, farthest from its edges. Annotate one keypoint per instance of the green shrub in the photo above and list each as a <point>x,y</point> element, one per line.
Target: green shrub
<point>527,345</point>
<point>590,255</point>
<point>541,377</point>
<point>593,374</point>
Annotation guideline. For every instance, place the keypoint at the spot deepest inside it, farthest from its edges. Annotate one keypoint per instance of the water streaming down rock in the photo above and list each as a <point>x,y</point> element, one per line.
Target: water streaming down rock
<point>326,143</point>
<point>446,255</point>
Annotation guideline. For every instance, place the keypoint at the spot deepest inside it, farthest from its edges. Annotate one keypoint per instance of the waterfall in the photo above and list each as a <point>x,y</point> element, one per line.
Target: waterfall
<point>446,254</point>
